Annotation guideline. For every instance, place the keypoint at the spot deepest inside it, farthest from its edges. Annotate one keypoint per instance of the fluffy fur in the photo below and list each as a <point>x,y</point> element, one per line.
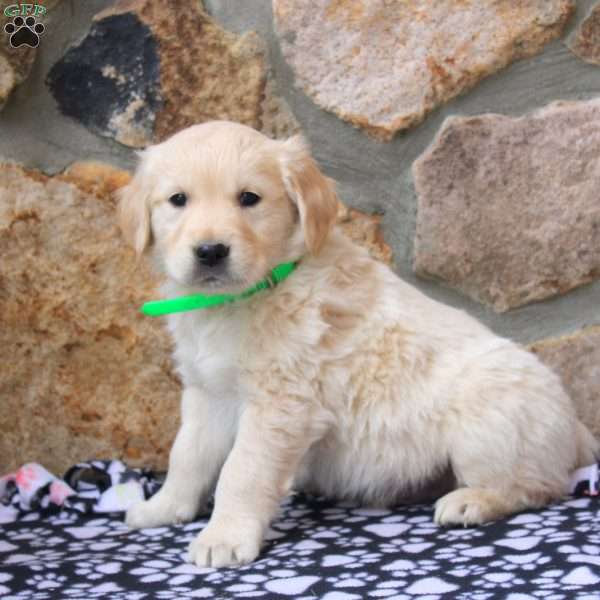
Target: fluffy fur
<point>343,380</point>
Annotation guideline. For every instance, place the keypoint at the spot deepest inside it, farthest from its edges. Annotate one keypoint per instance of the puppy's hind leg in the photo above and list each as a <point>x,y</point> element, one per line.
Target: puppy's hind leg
<point>512,444</point>
<point>473,506</point>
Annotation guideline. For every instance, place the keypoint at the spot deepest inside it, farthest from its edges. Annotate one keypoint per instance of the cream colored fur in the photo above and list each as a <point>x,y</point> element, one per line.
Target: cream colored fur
<point>344,379</point>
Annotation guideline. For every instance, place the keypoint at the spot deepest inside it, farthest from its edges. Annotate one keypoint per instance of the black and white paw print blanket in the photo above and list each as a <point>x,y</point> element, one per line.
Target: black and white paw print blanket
<point>65,539</point>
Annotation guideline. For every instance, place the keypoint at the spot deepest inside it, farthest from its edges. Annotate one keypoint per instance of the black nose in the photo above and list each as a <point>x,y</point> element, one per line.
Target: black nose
<point>211,254</point>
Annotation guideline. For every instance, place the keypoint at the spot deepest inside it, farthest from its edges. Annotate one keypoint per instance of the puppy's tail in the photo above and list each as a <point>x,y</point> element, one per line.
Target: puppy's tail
<point>588,448</point>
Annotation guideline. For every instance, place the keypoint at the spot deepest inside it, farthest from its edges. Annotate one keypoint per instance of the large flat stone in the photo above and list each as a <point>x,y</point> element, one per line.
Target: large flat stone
<point>508,208</point>
<point>585,40</point>
<point>576,358</point>
<point>383,66</point>
<point>149,68</point>
<point>83,373</point>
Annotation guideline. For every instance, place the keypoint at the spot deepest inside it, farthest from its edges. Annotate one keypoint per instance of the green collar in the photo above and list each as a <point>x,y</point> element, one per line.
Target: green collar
<point>158,308</point>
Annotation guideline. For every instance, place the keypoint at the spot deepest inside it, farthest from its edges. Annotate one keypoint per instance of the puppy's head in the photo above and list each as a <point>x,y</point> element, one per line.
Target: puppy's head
<point>221,205</point>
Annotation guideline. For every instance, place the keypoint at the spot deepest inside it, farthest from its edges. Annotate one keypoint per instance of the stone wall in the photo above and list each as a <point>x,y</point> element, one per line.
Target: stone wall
<point>464,135</point>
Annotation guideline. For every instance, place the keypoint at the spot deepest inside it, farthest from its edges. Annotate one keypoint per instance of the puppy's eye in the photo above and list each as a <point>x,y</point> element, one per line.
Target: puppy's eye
<point>249,198</point>
<point>178,200</point>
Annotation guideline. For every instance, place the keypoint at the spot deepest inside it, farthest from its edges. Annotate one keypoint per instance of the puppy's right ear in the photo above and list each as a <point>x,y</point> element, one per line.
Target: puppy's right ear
<point>134,213</point>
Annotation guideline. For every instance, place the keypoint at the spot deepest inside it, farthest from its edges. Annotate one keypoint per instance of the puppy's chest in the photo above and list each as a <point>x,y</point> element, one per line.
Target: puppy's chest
<point>208,350</point>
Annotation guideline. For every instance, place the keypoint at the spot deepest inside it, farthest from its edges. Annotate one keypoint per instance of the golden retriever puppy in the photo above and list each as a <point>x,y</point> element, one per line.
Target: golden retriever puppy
<point>342,379</point>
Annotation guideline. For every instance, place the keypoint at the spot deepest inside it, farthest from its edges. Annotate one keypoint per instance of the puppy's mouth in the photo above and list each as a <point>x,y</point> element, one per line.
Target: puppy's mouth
<point>222,283</point>
<point>210,281</point>
<point>217,279</point>
<point>216,285</point>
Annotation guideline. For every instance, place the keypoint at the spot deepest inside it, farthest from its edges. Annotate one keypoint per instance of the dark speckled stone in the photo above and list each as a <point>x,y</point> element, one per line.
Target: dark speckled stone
<point>111,81</point>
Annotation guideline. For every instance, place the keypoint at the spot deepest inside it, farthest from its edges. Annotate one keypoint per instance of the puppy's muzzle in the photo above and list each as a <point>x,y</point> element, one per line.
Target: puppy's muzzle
<point>211,255</point>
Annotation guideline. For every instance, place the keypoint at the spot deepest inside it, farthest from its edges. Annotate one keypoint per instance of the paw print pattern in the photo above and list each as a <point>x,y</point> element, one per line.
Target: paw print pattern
<point>24,32</point>
<point>315,549</point>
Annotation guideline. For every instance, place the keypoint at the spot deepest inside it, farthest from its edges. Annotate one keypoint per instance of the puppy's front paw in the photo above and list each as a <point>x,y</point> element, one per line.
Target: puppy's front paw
<point>226,544</point>
<point>161,509</point>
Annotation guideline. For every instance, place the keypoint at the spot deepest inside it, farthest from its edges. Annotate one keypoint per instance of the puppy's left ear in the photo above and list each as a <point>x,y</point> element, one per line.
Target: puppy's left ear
<point>134,213</point>
<point>312,192</point>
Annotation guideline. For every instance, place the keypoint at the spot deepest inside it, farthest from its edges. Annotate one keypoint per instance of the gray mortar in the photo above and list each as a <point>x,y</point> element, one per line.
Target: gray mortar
<point>372,176</point>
